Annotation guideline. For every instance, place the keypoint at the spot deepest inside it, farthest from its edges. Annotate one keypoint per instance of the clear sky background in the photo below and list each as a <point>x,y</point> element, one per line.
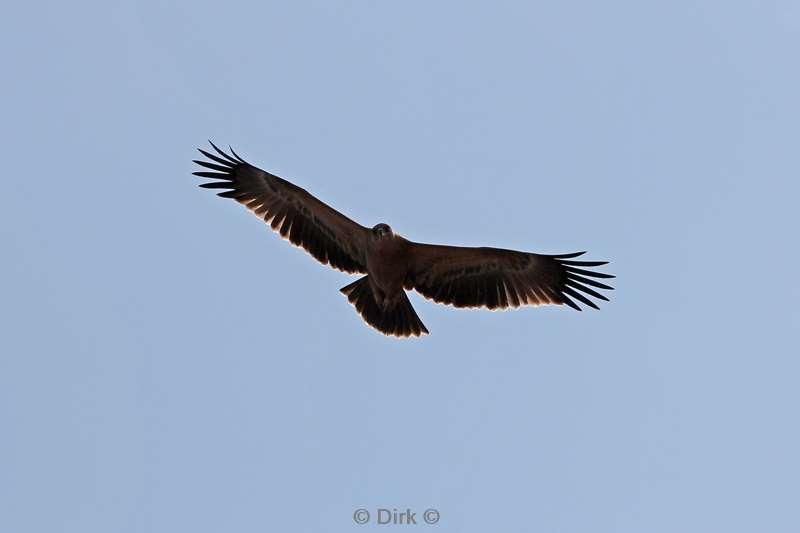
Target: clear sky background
<point>168,364</point>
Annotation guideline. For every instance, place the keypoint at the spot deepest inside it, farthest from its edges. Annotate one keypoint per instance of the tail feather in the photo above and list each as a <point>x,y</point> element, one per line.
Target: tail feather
<point>400,320</point>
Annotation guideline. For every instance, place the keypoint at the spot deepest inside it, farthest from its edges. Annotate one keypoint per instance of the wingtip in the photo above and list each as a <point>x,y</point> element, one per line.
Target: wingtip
<point>235,154</point>
<point>568,256</point>
<point>570,303</point>
<point>215,147</point>
<point>223,154</point>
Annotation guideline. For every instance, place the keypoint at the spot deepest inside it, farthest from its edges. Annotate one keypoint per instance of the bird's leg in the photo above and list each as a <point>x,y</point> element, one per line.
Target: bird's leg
<point>384,301</point>
<point>380,298</point>
<point>390,301</point>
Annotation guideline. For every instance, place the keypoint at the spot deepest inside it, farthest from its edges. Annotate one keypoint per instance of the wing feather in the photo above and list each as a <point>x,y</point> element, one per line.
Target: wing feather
<point>497,279</point>
<point>329,236</point>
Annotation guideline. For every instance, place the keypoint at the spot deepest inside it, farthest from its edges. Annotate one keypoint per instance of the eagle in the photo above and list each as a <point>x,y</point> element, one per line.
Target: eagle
<point>491,278</point>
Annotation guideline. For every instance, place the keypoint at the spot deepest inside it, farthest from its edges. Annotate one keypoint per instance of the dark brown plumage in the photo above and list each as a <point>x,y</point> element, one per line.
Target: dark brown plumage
<point>463,277</point>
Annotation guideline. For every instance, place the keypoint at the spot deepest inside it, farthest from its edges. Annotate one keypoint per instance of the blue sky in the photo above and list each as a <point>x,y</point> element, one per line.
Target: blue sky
<point>167,364</point>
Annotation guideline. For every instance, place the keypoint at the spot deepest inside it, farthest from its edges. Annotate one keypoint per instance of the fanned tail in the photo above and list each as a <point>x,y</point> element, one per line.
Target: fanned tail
<point>400,320</point>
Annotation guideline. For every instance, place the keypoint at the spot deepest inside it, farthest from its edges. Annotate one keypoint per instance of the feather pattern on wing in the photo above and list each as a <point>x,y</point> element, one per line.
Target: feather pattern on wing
<point>329,236</point>
<point>497,279</point>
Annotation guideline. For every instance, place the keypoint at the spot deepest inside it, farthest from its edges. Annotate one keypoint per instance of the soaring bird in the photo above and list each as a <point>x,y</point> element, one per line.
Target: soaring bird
<point>493,278</point>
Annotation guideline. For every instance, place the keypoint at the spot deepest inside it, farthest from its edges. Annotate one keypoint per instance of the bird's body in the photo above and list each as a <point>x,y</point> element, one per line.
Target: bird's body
<point>387,266</point>
<point>492,278</point>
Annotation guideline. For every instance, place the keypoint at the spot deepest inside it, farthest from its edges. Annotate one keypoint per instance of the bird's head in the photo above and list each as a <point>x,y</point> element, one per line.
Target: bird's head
<point>382,230</point>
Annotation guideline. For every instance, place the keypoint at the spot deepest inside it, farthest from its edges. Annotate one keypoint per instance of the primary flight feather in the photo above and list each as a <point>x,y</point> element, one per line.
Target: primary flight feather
<point>460,276</point>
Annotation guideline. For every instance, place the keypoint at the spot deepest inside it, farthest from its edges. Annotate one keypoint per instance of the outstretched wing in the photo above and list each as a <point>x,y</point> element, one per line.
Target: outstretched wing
<point>497,279</point>
<point>325,233</point>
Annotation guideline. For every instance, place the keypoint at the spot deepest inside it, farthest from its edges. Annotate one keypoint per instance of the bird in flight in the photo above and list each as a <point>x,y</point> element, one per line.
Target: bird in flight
<point>492,278</point>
